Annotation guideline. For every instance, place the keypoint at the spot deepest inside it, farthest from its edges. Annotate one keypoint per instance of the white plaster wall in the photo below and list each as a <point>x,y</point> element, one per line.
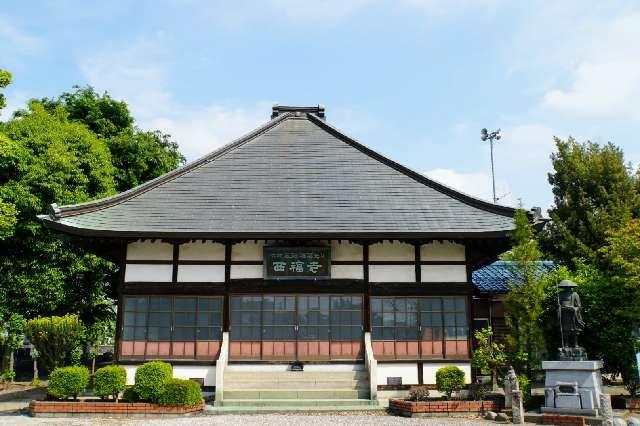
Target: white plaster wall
<point>246,271</point>
<point>443,273</point>
<point>429,371</point>
<point>408,371</point>
<point>341,251</point>
<point>248,250</point>
<point>201,273</point>
<point>392,273</point>
<point>391,251</point>
<point>146,250</point>
<point>355,272</point>
<point>442,251</point>
<point>206,372</point>
<point>148,273</point>
<point>202,251</point>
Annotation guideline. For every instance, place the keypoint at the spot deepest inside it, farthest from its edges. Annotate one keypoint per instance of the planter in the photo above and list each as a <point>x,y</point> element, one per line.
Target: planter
<point>442,408</point>
<point>632,404</point>
<point>111,409</point>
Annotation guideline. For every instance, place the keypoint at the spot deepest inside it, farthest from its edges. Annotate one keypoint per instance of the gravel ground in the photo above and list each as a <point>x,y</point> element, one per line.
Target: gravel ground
<point>250,420</point>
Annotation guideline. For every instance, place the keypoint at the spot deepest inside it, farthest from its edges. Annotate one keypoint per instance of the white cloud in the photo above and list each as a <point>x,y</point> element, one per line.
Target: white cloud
<point>202,130</point>
<point>476,184</point>
<point>587,59</point>
<point>17,38</point>
<point>139,75</point>
<point>15,100</point>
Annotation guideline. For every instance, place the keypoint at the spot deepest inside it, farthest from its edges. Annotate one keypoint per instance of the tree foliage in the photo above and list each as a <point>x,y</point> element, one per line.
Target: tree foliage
<point>54,337</point>
<point>488,356</point>
<point>138,156</point>
<point>76,148</point>
<point>5,80</point>
<point>525,302</point>
<point>594,192</point>
<point>45,158</point>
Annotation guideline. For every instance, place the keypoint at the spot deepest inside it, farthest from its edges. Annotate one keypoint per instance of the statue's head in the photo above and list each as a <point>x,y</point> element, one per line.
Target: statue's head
<point>567,286</point>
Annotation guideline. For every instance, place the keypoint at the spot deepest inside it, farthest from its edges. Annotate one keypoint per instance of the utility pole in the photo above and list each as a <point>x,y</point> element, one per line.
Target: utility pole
<point>495,135</point>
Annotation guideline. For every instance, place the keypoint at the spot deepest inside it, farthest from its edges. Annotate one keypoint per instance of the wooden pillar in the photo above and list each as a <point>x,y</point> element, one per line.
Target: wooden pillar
<point>120,313</point>
<point>176,254</point>
<point>227,286</point>
<point>418,261</point>
<point>367,288</point>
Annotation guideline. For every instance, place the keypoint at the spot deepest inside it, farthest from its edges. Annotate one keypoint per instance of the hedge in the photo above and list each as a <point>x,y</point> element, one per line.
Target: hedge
<point>179,392</point>
<point>150,380</point>
<point>109,381</point>
<point>68,381</point>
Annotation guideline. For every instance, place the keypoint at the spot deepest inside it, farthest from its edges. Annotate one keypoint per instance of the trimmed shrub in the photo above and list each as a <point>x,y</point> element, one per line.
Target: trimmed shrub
<point>179,392</point>
<point>449,379</point>
<point>419,393</point>
<point>109,381</point>
<point>68,381</point>
<point>130,394</point>
<point>54,337</point>
<point>150,379</point>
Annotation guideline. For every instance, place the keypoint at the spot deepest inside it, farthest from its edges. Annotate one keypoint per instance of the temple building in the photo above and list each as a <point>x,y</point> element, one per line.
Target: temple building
<point>294,243</point>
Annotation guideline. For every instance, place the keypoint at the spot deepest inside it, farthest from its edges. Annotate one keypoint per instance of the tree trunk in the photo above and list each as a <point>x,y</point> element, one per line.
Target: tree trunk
<point>11,363</point>
<point>93,365</point>
<point>35,370</point>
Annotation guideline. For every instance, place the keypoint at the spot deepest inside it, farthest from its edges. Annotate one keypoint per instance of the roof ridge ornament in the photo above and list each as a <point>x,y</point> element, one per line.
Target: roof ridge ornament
<point>297,110</point>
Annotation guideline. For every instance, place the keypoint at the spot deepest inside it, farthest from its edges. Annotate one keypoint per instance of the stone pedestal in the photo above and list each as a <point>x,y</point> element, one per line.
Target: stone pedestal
<point>572,387</point>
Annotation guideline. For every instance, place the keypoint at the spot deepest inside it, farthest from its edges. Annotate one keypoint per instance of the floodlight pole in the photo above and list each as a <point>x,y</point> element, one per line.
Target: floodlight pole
<point>495,135</point>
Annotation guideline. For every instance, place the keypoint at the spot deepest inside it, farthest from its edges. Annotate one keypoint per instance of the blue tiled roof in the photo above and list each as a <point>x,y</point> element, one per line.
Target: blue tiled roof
<point>496,277</point>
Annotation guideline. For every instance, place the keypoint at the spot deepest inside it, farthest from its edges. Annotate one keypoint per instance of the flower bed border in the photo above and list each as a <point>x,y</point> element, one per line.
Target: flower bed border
<point>110,409</point>
<point>442,408</point>
<point>632,404</point>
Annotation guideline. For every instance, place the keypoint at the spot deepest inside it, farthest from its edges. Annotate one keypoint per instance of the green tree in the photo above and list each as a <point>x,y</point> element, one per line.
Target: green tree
<point>612,297</point>
<point>138,155</point>
<point>54,337</point>
<point>11,339</point>
<point>45,158</point>
<point>525,302</point>
<point>594,192</point>
<point>98,334</point>
<point>488,356</point>
<point>5,80</point>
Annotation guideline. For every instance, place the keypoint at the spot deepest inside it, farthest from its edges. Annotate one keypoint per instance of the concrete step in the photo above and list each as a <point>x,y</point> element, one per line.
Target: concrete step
<point>234,383</point>
<point>281,404</point>
<point>216,410</point>
<point>307,394</point>
<point>296,375</point>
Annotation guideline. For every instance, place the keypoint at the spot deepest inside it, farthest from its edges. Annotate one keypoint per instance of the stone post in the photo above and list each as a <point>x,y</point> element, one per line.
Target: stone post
<point>605,409</point>
<point>517,410</point>
<point>510,385</point>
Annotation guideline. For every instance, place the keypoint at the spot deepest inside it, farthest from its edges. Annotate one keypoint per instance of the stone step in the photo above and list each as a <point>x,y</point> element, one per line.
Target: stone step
<point>300,403</point>
<point>233,383</point>
<point>292,394</point>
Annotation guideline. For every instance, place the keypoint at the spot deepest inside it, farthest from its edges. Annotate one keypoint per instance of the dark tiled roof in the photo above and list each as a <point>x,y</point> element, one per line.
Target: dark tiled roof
<point>294,176</point>
<point>496,277</point>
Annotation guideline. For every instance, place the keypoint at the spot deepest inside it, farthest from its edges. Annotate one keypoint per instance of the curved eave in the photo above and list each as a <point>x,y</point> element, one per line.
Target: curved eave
<point>251,235</point>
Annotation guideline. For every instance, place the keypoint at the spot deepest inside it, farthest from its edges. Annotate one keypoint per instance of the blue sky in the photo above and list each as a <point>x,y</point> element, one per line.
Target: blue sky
<point>414,79</point>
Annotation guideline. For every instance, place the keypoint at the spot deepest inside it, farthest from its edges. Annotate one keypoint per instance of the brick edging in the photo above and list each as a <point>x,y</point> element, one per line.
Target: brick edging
<point>445,406</point>
<point>562,420</point>
<point>632,403</point>
<point>37,408</point>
